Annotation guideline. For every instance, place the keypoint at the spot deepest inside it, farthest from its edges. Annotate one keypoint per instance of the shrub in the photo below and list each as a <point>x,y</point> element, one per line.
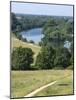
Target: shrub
<point>31,41</point>
<point>63,57</point>
<point>45,59</point>
<point>19,36</point>
<point>22,58</point>
<point>24,40</point>
<point>40,43</point>
<point>71,67</point>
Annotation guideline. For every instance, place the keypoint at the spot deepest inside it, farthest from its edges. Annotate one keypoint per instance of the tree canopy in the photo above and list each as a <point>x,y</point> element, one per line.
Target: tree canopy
<point>45,59</point>
<point>22,58</point>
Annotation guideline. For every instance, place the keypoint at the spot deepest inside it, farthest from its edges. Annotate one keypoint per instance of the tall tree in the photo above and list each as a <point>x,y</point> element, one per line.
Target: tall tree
<point>22,58</point>
<point>63,57</point>
<point>45,59</point>
<point>15,24</point>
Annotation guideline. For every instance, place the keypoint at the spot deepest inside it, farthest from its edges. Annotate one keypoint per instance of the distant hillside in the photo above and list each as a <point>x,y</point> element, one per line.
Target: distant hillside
<point>25,21</point>
<point>31,15</point>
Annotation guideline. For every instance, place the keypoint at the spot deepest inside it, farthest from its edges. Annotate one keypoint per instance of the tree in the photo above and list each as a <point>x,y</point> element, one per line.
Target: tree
<point>13,21</point>
<point>40,43</point>
<point>72,52</point>
<point>24,40</point>
<point>31,41</point>
<point>22,58</point>
<point>69,27</point>
<point>45,59</point>
<point>63,57</point>
<point>19,36</point>
<point>49,26</point>
<point>15,24</point>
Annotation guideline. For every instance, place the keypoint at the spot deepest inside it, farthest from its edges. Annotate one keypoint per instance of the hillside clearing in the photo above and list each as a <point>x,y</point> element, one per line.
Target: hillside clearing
<point>17,43</point>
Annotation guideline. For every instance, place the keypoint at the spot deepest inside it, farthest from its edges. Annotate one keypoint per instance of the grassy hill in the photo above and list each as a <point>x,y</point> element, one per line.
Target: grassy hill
<point>16,43</point>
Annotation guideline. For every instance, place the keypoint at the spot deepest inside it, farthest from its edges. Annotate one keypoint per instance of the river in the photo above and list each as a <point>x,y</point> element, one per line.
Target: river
<point>33,34</point>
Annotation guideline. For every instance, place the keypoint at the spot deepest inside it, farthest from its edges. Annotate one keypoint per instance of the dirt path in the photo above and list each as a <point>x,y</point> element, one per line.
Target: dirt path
<point>39,89</point>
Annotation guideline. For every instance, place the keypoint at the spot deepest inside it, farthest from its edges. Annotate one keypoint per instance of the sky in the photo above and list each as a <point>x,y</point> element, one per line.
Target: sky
<point>41,9</point>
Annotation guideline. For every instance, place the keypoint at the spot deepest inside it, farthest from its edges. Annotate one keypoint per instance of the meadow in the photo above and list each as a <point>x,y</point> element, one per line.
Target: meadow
<point>24,82</point>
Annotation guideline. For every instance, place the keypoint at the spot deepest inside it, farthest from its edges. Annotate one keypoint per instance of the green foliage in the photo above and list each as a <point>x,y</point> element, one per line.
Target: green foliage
<point>22,58</point>
<point>19,36</point>
<point>31,21</point>
<point>15,24</point>
<point>69,27</point>
<point>24,40</point>
<point>45,59</point>
<point>57,31</point>
<point>55,38</point>
<point>71,67</point>
<point>63,57</point>
<point>31,41</point>
<point>53,58</point>
<point>50,23</point>
<point>40,43</point>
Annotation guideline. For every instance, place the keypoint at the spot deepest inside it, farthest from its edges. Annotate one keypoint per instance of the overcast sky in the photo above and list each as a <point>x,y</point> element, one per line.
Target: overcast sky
<point>41,9</point>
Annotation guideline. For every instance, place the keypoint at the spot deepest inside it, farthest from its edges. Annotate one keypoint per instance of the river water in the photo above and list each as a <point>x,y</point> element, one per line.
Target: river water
<point>33,34</point>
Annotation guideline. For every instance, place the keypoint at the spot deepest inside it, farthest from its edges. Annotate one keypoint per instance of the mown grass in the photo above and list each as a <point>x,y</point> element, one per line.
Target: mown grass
<point>24,82</point>
<point>62,87</point>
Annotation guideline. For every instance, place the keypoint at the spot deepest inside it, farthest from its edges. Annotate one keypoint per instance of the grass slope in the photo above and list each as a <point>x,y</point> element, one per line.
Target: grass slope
<point>24,82</point>
<point>16,43</point>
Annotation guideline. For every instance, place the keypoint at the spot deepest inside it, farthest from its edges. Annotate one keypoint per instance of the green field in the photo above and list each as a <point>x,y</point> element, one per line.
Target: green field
<point>63,87</point>
<point>24,82</point>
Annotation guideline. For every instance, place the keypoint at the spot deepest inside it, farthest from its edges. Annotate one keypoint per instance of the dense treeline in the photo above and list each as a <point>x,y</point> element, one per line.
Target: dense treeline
<point>57,32</point>
<point>25,22</point>
<point>15,23</point>
<point>48,58</point>
<point>53,54</point>
<point>20,22</point>
<point>64,25</point>
<point>53,58</point>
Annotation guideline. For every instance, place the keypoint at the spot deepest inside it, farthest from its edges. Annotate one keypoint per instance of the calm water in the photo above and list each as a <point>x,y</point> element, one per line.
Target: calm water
<point>33,34</point>
<point>67,44</point>
<point>36,35</point>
